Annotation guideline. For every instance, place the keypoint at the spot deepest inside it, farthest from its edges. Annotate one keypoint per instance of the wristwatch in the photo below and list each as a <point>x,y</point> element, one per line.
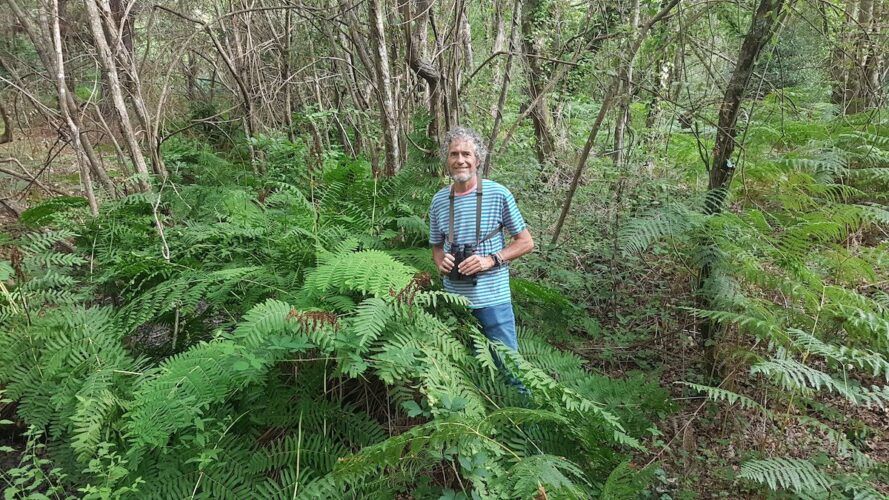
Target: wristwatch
<point>497,260</point>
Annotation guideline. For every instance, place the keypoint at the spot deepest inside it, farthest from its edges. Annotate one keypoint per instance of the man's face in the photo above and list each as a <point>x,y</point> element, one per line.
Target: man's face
<point>462,162</point>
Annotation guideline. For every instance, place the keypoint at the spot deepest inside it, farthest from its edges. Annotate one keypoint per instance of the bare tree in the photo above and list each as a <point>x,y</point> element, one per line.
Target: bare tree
<point>113,84</point>
<point>50,51</point>
<point>388,116</point>
<point>415,14</point>
<point>533,12</point>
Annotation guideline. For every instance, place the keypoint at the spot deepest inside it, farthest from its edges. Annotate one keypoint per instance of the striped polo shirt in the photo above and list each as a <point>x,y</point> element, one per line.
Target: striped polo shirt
<point>498,209</point>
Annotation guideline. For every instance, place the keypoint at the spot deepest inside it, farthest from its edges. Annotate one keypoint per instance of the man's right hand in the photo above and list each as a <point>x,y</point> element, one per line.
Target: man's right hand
<point>446,264</point>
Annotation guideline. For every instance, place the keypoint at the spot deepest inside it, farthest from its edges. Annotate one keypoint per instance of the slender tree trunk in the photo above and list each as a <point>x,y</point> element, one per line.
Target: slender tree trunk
<point>607,102</point>
<point>450,119</point>
<point>869,91</point>
<point>762,28</point>
<point>113,85</point>
<point>498,118</point>
<point>384,87</point>
<point>7,126</point>
<point>121,25</point>
<point>841,64</point>
<point>466,38</point>
<point>125,56</point>
<point>284,49</point>
<point>190,75</point>
<point>545,145</point>
<point>62,89</point>
<point>419,64</point>
<point>626,95</point>
<point>876,68</point>
<point>499,46</point>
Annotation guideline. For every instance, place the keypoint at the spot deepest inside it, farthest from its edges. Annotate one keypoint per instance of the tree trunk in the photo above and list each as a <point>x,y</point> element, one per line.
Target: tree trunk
<point>419,64</point>
<point>499,46</point>
<point>7,126</point>
<point>876,67</point>
<point>869,91</point>
<point>626,95</point>
<point>113,85</point>
<point>121,25</point>
<point>603,110</point>
<point>284,49</point>
<point>841,69</point>
<point>466,38</point>
<point>761,30</point>
<point>127,60</point>
<point>498,117</point>
<point>388,117</point>
<point>62,89</point>
<point>545,145</point>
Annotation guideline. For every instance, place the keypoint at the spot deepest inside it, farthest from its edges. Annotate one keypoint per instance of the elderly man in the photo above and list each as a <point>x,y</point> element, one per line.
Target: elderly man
<point>466,221</point>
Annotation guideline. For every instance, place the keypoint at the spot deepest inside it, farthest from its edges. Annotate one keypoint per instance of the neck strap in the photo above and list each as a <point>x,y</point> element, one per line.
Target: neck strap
<point>478,214</point>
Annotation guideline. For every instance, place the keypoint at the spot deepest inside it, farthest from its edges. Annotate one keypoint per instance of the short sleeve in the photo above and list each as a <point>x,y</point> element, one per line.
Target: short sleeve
<point>435,235</point>
<point>512,218</point>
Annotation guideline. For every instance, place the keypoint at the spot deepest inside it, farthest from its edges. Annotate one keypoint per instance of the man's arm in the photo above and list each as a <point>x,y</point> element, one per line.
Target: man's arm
<point>521,244</point>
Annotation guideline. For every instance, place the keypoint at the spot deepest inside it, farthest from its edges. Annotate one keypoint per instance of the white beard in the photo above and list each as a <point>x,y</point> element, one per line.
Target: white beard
<point>462,177</point>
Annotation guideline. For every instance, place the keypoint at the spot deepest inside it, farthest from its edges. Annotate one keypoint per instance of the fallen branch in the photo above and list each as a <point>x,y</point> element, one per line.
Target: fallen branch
<point>25,176</point>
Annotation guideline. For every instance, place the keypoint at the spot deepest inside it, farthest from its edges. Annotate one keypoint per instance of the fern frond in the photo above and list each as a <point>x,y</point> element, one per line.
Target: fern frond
<point>874,363</point>
<point>369,272</point>
<point>717,394</point>
<point>550,474</point>
<point>639,233</point>
<point>794,474</point>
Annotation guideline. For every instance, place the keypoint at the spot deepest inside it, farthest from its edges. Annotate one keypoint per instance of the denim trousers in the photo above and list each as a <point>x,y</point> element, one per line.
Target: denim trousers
<point>498,325</point>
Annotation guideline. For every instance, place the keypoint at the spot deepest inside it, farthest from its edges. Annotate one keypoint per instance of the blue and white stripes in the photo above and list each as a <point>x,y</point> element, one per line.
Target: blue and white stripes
<point>498,207</point>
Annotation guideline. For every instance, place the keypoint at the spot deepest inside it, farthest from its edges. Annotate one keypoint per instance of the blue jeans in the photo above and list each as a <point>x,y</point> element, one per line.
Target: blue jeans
<point>498,325</point>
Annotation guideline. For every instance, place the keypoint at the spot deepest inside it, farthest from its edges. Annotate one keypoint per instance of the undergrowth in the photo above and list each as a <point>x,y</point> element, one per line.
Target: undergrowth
<point>797,291</point>
<point>296,343</point>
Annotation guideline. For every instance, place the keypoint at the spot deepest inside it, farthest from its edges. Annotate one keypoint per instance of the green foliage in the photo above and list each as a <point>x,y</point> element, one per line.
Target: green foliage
<point>260,359</point>
<point>799,476</point>
<point>788,268</point>
<point>44,213</point>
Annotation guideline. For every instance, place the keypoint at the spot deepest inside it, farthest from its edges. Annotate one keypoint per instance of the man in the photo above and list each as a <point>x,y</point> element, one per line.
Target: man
<point>489,296</point>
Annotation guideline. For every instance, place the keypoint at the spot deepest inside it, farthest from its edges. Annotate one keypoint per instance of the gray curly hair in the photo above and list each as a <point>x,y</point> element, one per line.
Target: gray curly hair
<point>481,150</point>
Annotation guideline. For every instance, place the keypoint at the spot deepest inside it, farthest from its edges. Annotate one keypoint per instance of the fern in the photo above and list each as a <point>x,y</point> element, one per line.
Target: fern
<point>717,394</point>
<point>625,483</point>
<point>794,474</point>
<point>794,375</point>
<point>308,325</point>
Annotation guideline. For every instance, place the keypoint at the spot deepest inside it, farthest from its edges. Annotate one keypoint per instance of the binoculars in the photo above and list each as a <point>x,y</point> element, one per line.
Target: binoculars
<point>460,253</point>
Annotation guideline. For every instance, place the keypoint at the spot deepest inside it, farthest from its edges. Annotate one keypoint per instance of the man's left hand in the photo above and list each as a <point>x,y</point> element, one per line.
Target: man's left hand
<point>475,264</point>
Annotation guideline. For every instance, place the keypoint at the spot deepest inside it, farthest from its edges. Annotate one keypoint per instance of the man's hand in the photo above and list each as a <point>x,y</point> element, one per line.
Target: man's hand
<point>446,264</point>
<point>476,264</point>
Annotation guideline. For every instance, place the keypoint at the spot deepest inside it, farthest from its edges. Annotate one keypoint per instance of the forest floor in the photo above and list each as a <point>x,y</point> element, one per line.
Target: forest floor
<point>702,445</point>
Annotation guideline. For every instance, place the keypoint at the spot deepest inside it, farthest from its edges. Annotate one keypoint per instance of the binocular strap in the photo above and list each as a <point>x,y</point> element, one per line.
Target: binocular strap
<point>478,216</point>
